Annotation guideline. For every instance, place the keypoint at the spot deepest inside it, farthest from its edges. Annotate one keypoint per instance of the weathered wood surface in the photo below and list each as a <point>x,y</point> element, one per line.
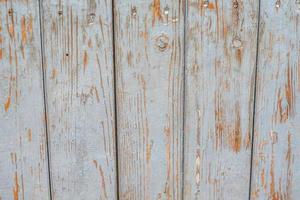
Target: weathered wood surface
<point>23,152</point>
<point>277,119</point>
<point>220,70</point>
<point>78,53</point>
<point>149,75</point>
<point>184,100</point>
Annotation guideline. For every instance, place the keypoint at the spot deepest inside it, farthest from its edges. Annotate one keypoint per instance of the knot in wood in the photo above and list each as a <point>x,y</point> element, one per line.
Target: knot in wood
<point>237,43</point>
<point>162,42</point>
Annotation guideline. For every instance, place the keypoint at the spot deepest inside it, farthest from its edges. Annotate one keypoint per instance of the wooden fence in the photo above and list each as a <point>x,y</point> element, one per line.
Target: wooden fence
<point>149,99</point>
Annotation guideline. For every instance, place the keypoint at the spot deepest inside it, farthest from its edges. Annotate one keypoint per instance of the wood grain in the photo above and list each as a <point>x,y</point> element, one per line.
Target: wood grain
<point>149,75</point>
<point>23,150</point>
<point>78,54</point>
<point>277,141</point>
<point>220,70</point>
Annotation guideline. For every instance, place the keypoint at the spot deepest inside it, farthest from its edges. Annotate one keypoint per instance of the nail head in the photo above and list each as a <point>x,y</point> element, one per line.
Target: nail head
<point>91,18</point>
<point>205,4</point>
<point>133,11</point>
<point>166,10</point>
<point>236,43</point>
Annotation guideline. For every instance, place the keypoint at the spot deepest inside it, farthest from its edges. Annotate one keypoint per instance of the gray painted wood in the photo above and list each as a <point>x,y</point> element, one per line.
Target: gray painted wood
<point>149,71</point>
<point>216,102</point>
<point>77,38</point>
<point>23,152</point>
<point>277,119</point>
<point>220,70</point>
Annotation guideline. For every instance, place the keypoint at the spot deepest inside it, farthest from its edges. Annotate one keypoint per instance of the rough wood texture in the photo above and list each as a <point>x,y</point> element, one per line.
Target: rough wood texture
<point>77,38</point>
<point>220,56</point>
<point>149,71</point>
<point>277,119</point>
<point>23,152</point>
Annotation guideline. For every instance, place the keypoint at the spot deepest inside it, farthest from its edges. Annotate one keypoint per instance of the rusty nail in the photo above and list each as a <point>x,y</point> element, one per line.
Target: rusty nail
<point>205,4</point>
<point>235,4</point>
<point>277,4</point>
<point>91,17</point>
<point>166,10</point>
<point>133,11</point>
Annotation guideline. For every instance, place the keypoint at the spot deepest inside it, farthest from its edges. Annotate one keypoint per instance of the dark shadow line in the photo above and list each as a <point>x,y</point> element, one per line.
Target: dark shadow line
<point>254,99</point>
<point>185,14</point>
<point>115,99</point>
<point>45,99</point>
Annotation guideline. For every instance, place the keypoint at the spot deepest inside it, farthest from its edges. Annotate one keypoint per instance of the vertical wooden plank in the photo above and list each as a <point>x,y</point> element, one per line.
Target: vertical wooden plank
<point>277,119</point>
<point>77,38</point>
<point>23,150</point>
<point>149,71</point>
<point>220,56</point>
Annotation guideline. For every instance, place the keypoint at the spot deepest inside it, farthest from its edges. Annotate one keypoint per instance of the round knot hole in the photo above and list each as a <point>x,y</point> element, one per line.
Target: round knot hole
<point>162,42</point>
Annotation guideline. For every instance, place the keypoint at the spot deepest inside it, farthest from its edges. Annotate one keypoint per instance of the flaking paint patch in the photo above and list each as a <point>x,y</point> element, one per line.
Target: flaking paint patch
<point>219,121</point>
<point>289,173</point>
<point>156,11</point>
<point>102,182</point>
<point>85,60</point>
<point>30,25</point>
<point>239,56</point>
<point>167,131</point>
<point>16,187</point>
<point>13,157</point>
<point>211,6</point>
<point>263,179</point>
<point>23,29</point>
<point>289,91</point>
<point>236,138</point>
<point>198,167</point>
<point>272,175</point>
<point>148,152</point>
<point>11,26</point>
<point>7,104</point>
<point>53,73</point>
<point>1,50</point>
<point>278,190</point>
<point>285,110</point>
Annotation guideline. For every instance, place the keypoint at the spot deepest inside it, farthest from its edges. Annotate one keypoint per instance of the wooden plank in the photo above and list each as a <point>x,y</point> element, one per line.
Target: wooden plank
<point>149,76</point>
<point>220,70</point>
<point>23,149</point>
<point>77,38</point>
<point>277,119</point>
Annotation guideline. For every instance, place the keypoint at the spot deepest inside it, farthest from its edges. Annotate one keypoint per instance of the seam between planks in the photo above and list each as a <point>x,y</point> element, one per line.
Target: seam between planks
<point>254,98</point>
<point>185,13</point>
<point>45,100</point>
<point>115,98</point>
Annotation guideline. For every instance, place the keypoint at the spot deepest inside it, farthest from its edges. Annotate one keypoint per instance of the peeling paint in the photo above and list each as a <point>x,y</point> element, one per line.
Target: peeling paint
<point>156,11</point>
